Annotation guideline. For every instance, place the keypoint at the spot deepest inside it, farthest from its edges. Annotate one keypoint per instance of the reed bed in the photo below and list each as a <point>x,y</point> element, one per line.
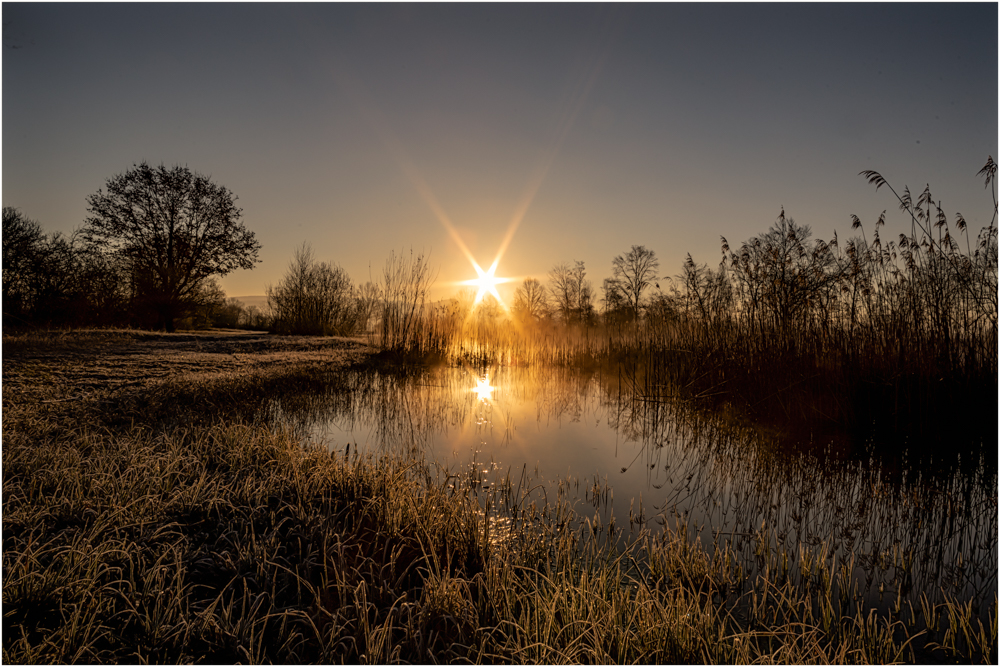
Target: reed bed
<point>891,340</point>
<point>847,536</point>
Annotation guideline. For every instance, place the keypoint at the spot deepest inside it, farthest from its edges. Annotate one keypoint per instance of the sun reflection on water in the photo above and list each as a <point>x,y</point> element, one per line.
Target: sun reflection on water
<point>687,471</point>
<point>483,390</point>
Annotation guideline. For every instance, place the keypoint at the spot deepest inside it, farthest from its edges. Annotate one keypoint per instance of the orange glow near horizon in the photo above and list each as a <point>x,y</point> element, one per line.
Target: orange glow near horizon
<point>487,280</point>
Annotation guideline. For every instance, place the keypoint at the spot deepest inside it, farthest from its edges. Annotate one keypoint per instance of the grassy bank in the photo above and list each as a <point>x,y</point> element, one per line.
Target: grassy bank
<point>150,515</point>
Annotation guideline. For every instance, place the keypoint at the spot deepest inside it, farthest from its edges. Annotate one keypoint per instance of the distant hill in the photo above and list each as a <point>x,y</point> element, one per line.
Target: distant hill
<point>247,301</point>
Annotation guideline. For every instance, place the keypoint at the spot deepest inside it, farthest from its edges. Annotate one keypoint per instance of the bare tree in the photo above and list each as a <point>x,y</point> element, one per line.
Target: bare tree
<point>406,281</point>
<point>228,314</point>
<point>53,280</point>
<point>531,303</point>
<point>780,277</point>
<point>614,300</point>
<point>634,272</point>
<point>313,298</point>
<point>207,305</point>
<point>23,243</point>
<point>368,297</point>
<point>177,228</point>
<point>705,295</point>
<point>572,292</point>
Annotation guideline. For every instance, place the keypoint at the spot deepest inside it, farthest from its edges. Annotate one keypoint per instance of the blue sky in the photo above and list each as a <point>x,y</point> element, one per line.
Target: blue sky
<point>359,128</point>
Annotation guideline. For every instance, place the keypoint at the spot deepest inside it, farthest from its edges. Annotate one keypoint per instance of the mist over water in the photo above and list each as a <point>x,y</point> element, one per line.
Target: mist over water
<point>894,531</point>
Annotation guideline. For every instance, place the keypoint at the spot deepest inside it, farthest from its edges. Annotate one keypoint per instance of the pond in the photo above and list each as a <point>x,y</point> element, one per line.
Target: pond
<point>892,531</point>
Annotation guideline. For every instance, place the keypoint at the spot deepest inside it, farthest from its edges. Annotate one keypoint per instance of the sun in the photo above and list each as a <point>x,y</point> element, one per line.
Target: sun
<point>487,282</point>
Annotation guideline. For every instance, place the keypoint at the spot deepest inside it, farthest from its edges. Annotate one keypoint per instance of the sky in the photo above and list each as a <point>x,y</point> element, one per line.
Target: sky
<point>551,132</point>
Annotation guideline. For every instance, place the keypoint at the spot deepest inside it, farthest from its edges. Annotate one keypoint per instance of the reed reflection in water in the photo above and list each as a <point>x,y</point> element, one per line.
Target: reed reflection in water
<point>814,516</point>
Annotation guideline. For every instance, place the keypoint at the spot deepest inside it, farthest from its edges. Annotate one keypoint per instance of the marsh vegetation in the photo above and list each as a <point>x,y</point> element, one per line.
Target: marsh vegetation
<point>872,535</point>
<point>891,340</point>
<point>790,458</point>
<point>188,517</point>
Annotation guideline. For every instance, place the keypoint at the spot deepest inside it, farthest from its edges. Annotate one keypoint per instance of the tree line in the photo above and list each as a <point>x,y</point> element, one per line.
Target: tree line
<point>147,255</point>
<point>51,280</point>
<point>570,298</point>
<point>936,283</point>
<point>155,240</point>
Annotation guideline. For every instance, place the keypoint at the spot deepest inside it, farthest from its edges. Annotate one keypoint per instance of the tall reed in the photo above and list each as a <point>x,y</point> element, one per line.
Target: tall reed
<point>877,337</point>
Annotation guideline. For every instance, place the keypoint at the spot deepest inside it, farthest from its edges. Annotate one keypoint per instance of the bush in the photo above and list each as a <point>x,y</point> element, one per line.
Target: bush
<point>314,298</point>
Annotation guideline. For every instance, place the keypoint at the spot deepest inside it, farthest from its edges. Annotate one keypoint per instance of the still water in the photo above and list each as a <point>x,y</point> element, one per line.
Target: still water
<point>895,531</point>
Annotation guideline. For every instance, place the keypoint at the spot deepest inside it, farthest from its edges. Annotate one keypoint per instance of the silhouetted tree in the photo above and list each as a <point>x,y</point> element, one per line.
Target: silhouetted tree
<point>60,297</point>
<point>780,277</point>
<point>705,296</point>
<point>572,292</point>
<point>105,291</point>
<point>634,272</point>
<point>615,305</point>
<point>176,227</point>
<point>23,244</point>
<point>52,280</point>
<point>403,292</point>
<point>228,314</point>
<point>313,298</point>
<point>531,303</point>
<point>663,308</point>
<point>206,306</point>
<point>256,319</point>
<point>368,296</point>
